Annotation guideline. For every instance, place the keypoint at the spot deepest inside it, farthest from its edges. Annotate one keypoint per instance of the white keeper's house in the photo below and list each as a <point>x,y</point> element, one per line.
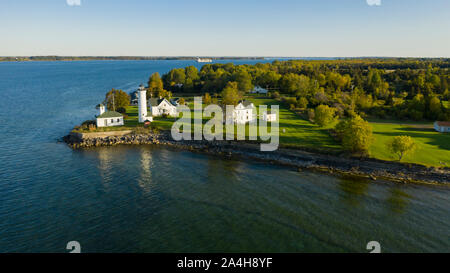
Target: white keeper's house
<point>108,118</point>
<point>243,112</point>
<point>162,106</point>
<point>442,126</point>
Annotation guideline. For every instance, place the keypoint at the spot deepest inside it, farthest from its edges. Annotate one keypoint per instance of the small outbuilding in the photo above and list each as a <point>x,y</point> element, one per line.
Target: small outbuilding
<point>259,90</point>
<point>108,118</point>
<point>442,126</point>
<point>269,116</point>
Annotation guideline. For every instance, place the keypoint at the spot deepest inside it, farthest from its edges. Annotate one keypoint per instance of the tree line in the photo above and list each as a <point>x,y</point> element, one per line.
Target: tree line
<point>385,88</point>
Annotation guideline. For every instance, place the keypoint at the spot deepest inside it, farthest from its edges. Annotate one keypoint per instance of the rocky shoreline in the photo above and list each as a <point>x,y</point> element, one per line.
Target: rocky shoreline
<point>359,167</point>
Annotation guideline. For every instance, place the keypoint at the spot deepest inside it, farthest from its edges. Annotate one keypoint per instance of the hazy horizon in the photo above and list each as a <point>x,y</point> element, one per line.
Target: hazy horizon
<point>225,56</point>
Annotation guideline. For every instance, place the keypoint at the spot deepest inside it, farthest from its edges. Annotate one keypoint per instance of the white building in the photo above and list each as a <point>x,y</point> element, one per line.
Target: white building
<point>258,90</point>
<point>159,107</point>
<point>269,116</point>
<point>108,118</point>
<point>442,126</point>
<point>143,116</point>
<point>204,60</point>
<point>175,101</point>
<point>243,112</point>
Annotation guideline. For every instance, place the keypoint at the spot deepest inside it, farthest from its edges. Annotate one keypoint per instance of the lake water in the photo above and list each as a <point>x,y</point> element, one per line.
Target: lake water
<point>155,199</point>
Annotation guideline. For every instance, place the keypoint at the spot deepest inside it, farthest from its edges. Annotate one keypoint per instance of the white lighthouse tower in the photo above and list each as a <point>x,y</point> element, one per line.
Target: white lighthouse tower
<point>142,104</point>
<point>101,109</point>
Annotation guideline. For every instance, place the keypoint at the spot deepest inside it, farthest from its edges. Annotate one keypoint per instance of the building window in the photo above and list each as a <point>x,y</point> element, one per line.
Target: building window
<point>118,120</point>
<point>112,121</point>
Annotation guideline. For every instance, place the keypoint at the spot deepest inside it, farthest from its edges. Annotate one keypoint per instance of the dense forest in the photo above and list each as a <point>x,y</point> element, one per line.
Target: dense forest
<point>398,88</point>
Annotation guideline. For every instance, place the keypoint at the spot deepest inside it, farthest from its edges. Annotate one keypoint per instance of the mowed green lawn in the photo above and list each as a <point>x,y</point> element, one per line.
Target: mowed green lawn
<point>159,122</point>
<point>296,132</point>
<point>433,148</point>
<point>293,131</point>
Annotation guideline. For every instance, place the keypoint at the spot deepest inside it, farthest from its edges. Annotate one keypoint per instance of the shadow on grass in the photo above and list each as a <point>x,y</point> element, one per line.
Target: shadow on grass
<point>413,129</point>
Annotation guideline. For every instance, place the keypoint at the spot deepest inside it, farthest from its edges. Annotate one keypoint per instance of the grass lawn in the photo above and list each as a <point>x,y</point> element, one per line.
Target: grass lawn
<point>432,147</point>
<point>159,122</point>
<point>299,133</point>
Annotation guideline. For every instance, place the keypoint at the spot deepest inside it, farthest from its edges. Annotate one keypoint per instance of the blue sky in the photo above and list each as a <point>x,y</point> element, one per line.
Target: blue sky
<point>225,28</point>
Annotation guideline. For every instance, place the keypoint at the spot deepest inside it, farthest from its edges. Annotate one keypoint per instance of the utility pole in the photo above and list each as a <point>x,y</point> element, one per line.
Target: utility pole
<point>114,105</point>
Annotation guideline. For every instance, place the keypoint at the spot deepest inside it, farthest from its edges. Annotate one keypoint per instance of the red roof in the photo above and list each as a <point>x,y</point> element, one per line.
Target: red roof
<point>443,123</point>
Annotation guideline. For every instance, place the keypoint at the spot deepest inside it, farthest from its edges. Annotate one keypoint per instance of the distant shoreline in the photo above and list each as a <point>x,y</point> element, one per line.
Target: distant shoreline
<point>186,58</point>
<point>116,58</point>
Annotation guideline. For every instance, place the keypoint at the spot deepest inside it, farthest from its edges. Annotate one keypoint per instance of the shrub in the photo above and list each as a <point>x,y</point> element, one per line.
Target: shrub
<point>88,125</point>
<point>290,101</point>
<point>323,115</point>
<point>302,103</point>
<point>121,110</point>
<point>138,130</point>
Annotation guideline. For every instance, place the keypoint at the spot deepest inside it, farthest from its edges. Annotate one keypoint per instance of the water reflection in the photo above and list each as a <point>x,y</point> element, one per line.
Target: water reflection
<point>398,200</point>
<point>353,190</point>
<point>219,167</point>
<point>105,165</point>
<point>146,161</point>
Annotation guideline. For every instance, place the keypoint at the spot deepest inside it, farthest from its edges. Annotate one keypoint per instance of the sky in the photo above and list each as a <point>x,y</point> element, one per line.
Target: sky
<point>291,28</point>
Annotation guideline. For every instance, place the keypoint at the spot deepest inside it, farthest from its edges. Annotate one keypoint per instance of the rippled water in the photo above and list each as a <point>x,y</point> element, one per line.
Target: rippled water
<point>155,199</point>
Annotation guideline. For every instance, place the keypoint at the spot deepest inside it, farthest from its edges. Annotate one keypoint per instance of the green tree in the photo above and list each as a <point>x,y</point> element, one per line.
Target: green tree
<point>230,94</point>
<point>244,81</point>
<point>355,134</point>
<point>401,145</point>
<point>116,99</point>
<point>191,77</point>
<point>164,94</point>
<point>191,73</point>
<point>207,99</point>
<point>176,76</point>
<point>303,86</point>
<point>289,83</point>
<point>268,79</point>
<point>324,115</point>
<point>155,85</point>
<point>295,84</point>
<point>435,107</point>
